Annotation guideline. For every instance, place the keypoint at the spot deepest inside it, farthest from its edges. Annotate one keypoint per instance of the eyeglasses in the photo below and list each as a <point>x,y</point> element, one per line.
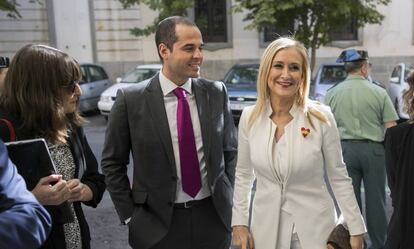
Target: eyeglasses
<point>71,86</point>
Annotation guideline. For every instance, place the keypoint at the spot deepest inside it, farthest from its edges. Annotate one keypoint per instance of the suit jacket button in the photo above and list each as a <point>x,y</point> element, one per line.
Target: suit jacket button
<point>170,203</point>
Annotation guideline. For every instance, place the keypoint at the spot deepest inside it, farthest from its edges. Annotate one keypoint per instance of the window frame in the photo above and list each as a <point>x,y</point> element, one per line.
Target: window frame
<point>212,46</point>
<point>348,43</point>
<point>264,44</point>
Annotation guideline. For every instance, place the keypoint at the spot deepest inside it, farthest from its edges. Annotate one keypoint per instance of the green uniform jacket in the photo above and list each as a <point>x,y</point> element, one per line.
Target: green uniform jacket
<point>360,108</point>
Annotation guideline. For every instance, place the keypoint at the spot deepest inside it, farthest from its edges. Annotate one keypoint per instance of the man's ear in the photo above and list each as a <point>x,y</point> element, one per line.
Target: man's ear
<point>364,68</point>
<point>164,51</point>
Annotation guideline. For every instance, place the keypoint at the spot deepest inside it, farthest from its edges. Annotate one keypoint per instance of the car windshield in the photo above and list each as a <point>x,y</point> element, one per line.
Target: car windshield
<point>138,75</point>
<point>332,75</point>
<point>242,76</point>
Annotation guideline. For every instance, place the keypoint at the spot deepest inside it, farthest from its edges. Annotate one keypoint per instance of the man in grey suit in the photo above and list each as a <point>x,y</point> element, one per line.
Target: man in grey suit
<point>182,137</point>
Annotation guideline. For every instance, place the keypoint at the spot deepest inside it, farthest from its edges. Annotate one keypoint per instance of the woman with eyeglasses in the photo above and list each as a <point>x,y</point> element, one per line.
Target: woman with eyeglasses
<point>40,99</point>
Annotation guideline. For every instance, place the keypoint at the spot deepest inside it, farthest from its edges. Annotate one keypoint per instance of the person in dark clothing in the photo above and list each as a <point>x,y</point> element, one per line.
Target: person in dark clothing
<point>399,147</point>
<point>40,99</point>
<point>24,223</point>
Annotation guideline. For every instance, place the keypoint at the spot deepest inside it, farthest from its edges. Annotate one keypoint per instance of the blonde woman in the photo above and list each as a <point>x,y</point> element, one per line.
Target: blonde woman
<point>287,142</point>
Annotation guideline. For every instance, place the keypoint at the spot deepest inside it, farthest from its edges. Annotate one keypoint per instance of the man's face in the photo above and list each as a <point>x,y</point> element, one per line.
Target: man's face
<point>183,61</point>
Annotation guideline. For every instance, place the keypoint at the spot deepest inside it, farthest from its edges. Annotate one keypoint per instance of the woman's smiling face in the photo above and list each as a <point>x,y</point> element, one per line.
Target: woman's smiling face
<point>286,74</point>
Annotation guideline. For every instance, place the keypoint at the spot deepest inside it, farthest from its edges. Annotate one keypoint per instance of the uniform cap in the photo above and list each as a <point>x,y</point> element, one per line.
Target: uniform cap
<point>350,55</point>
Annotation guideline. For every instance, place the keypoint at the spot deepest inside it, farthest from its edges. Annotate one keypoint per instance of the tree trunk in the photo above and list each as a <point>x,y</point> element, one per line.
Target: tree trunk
<point>313,57</point>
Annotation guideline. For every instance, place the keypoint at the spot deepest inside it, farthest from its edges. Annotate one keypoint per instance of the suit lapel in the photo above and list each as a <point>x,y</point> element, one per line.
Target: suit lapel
<point>158,116</point>
<point>204,113</point>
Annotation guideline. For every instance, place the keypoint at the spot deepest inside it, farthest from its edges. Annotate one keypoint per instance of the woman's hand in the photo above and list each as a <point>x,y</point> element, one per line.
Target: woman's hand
<point>242,238</point>
<point>357,241</point>
<point>79,191</point>
<point>51,190</point>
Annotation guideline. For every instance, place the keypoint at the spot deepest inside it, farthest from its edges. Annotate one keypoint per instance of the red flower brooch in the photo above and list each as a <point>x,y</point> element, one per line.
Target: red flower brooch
<point>305,131</point>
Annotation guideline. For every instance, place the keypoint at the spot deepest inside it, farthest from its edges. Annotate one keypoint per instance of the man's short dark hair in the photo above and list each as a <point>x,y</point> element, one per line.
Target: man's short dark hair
<point>353,66</point>
<point>165,32</point>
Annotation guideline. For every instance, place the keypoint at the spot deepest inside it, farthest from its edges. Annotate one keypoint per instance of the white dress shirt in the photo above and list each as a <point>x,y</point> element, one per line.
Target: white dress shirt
<point>281,170</point>
<point>170,103</point>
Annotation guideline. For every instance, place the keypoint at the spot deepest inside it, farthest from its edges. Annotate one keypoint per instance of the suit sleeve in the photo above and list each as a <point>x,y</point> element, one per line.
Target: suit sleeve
<point>115,158</point>
<point>92,178</point>
<point>230,141</point>
<point>23,221</point>
<point>338,176</point>
<point>244,176</point>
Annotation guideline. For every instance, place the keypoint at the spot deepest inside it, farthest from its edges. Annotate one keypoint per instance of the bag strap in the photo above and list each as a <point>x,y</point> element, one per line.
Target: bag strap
<point>12,133</point>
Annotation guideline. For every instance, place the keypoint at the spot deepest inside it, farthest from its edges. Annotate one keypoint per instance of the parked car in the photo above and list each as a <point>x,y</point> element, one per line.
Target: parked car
<point>138,74</point>
<point>326,77</point>
<point>94,81</point>
<point>397,86</point>
<point>240,81</point>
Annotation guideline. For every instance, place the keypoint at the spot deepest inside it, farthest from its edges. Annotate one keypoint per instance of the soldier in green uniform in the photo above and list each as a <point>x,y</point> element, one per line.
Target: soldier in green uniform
<point>363,111</point>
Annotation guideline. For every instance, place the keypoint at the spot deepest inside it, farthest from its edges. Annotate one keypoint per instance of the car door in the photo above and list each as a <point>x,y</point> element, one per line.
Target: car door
<point>395,85</point>
<point>96,81</point>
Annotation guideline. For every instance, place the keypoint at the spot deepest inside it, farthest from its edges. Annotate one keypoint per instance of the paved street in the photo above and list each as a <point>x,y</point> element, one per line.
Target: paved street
<point>106,231</point>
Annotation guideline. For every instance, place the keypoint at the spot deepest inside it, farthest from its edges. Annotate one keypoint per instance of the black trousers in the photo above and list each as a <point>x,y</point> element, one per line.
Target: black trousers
<point>197,227</point>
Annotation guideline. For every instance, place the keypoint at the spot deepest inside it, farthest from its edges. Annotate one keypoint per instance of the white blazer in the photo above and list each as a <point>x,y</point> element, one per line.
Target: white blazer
<point>304,191</point>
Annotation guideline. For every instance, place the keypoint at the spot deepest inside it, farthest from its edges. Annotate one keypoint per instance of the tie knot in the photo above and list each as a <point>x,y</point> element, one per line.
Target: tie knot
<point>180,93</point>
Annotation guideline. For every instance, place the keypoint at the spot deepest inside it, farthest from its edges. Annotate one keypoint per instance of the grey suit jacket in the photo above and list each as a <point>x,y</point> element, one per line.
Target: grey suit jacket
<point>138,124</point>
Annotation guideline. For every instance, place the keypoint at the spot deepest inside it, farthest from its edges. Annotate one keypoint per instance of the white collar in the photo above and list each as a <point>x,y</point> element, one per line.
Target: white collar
<point>167,86</point>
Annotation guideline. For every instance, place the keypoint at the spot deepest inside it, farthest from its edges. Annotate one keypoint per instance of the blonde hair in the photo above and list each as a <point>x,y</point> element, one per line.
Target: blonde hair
<point>263,91</point>
<point>408,96</point>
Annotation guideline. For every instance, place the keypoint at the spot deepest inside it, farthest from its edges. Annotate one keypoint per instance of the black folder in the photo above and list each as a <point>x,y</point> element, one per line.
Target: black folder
<point>33,161</point>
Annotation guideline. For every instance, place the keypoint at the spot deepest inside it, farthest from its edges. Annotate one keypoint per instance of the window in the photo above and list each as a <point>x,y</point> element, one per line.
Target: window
<point>139,74</point>
<point>211,18</point>
<point>396,75</point>
<point>270,33</point>
<point>92,73</point>
<point>214,19</point>
<point>348,33</point>
<point>332,75</point>
<point>97,73</point>
<point>84,75</point>
<point>242,75</point>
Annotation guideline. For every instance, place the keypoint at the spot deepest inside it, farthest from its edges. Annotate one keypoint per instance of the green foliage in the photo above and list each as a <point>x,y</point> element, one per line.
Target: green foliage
<point>10,6</point>
<point>314,19</point>
<point>165,8</point>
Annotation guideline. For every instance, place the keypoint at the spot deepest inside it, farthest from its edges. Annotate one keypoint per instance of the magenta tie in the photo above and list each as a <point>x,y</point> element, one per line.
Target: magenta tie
<point>190,168</point>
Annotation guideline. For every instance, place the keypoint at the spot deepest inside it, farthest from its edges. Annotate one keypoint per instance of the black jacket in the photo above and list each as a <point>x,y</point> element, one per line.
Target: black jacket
<point>86,169</point>
<point>399,148</point>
